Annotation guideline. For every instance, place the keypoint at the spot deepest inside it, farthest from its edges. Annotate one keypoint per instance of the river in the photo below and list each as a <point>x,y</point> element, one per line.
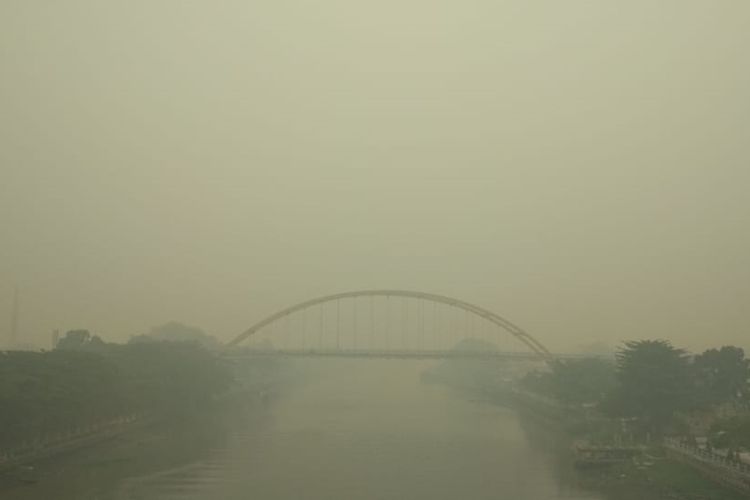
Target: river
<point>354,429</point>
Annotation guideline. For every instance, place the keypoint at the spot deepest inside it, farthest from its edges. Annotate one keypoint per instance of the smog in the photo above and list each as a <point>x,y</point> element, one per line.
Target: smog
<point>385,250</point>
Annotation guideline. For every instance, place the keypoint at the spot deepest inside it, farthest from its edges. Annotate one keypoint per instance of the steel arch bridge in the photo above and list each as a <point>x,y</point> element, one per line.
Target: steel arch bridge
<point>536,347</point>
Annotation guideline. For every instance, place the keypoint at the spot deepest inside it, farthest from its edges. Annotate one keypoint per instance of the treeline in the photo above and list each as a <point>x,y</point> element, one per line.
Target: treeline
<point>656,387</point>
<point>86,381</point>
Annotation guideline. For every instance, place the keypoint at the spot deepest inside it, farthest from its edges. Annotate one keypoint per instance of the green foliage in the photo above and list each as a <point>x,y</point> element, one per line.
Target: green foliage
<point>575,382</point>
<point>170,376</point>
<point>80,340</point>
<point>651,383</point>
<point>48,392</point>
<point>178,332</point>
<point>732,433</point>
<point>654,383</point>
<point>44,392</point>
<point>721,375</point>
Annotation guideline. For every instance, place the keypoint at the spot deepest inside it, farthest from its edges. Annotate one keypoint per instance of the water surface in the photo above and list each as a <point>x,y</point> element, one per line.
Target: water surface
<point>359,429</point>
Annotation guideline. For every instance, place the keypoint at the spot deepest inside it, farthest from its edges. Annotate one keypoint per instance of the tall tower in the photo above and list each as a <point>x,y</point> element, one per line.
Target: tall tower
<point>13,340</point>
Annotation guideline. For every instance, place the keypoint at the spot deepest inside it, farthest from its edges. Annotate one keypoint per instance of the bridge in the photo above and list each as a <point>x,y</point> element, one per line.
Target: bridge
<point>391,324</point>
<point>403,354</point>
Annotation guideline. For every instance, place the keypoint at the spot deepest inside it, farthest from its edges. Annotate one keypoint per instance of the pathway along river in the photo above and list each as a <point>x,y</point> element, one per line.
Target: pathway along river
<point>355,429</point>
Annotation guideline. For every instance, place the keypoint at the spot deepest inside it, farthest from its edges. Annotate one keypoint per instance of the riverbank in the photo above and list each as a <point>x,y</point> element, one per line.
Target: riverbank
<point>86,465</point>
<point>91,469</point>
<point>663,478</point>
<point>247,383</point>
<point>364,429</point>
<point>654,476</point>
<point>69,442</point>
<point>733,473</point>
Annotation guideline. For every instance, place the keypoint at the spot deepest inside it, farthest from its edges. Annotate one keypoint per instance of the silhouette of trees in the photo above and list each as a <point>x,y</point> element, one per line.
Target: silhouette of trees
<point>171,377</point>
<point>178,332</point>
<point>721,375</point>
<point>579,381</point>
<point>85,382</point>
<point>653,383</point>
<point>732,433</point>
<point>80,340</point>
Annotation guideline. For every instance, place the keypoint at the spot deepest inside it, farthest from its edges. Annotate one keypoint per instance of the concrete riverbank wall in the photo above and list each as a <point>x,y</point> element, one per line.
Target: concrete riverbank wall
<point>74,439</point>
<point>731,473</point>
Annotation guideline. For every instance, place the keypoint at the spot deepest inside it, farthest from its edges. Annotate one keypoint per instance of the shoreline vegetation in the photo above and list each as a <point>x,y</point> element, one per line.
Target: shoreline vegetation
<point>686,416</point>
<point>93,471</point>
<point>613,420</point>
<point>86,392</point>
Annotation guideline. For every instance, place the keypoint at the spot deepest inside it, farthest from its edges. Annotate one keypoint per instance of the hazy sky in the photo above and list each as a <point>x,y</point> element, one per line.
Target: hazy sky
<point>581,167</point>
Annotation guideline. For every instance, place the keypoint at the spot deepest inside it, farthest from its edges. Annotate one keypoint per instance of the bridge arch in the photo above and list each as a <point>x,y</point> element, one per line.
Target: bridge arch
<point>530,342</point>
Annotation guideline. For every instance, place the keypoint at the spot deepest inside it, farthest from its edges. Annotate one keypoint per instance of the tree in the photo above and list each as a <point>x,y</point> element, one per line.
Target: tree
<point>80,340</point>
<point>44,393</point>
<point>733,432</point>
<point>585,380</point>
<point>575,381</point>
<point>653,383</point>
<point>178,332</point>
<point>175,377</point>
<point>721,375</point>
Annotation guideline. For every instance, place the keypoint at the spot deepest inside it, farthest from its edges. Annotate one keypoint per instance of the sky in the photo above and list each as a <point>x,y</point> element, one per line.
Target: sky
<point>578,167</point>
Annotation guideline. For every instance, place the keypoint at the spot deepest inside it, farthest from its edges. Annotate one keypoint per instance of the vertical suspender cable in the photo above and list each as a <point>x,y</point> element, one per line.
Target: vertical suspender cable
<point>421,324</point>
<point>338,324</point>
<point>387,322</point>
<point>320,331</point>
<point>354,326</point>
<point>435,331</point>
<point>404,322</point>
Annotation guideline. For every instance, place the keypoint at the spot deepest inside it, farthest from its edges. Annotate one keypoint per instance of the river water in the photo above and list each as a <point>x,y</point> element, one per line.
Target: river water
<point>354,429</point>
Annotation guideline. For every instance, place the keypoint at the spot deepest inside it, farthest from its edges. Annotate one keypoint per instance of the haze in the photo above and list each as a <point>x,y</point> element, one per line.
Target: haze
<point>579,167</point>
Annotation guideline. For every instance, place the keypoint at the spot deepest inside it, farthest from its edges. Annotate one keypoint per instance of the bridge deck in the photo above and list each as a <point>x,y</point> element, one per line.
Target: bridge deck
<point>417,354</point>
